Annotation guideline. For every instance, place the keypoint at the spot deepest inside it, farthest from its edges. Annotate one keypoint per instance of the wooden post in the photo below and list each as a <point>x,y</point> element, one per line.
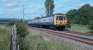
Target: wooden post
<point>14,45</point>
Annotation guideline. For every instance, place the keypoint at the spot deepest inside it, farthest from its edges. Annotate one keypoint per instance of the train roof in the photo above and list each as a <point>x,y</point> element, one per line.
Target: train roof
<point>48,16</point>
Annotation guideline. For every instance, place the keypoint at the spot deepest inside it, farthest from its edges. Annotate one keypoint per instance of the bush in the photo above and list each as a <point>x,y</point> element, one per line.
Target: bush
<point>21,33</point>
<point>68,24</point>
<point>91,27</point>
<point>21,29</point>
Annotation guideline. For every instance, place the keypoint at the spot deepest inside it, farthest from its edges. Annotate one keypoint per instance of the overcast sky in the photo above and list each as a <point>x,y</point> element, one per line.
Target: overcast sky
<point>34,8</point>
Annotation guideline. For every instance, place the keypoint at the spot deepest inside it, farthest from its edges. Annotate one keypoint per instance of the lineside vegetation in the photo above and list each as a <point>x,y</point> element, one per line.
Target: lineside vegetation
<point>82,16</point>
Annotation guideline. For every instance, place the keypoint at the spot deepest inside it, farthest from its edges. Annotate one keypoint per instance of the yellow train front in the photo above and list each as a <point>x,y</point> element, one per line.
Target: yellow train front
<point>60,21</point>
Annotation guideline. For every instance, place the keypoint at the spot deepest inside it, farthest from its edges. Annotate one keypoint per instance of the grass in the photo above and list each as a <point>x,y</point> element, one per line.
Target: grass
<point>80,28</point>
<point>34,41</point>
<point>4,38</point>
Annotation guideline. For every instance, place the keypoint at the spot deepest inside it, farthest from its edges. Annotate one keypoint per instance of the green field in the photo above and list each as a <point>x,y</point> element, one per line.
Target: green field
<point>4,38</point>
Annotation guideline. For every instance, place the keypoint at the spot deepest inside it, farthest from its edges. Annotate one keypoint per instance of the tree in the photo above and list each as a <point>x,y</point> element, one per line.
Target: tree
<point>91,19</point>
<point>49,6</point>
<point>73,15</point>
<point>82,15</point>
<point>85,14</point>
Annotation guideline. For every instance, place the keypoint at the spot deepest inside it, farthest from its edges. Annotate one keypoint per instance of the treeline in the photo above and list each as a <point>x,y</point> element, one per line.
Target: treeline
<point>83,16</point>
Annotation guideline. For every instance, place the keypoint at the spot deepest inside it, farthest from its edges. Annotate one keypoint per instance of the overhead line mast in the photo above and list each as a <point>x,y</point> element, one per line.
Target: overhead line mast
<point>23,11</point>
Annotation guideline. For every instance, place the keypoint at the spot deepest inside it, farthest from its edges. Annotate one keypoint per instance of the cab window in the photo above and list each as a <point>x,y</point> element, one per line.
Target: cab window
<point>60,18</point>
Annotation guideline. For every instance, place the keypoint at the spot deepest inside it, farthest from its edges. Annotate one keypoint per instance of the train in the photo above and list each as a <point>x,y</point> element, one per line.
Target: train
<point>58,21</point>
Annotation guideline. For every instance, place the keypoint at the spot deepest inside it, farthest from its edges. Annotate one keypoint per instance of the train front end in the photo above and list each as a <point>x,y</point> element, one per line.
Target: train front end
<point>60,21</point>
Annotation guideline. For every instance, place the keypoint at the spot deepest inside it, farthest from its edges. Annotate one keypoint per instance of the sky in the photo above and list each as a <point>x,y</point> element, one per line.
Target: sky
<point>35,8</point>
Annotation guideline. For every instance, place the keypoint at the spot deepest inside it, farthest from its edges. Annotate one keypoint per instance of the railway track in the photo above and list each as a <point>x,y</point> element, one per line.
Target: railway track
<point>70,35</point>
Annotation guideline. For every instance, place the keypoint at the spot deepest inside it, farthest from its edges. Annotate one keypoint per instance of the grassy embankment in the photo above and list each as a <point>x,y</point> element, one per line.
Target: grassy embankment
<point>4,38</point>
<point>34,41</point>
<point>80,28</point>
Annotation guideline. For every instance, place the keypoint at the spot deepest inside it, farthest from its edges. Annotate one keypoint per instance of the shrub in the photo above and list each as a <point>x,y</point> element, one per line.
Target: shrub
<point>21,33</point>
<point>21,29</point>
<point>91,27</point>
<point>68,24</point>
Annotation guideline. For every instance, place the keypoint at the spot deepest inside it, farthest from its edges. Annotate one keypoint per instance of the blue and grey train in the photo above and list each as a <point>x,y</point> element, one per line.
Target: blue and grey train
<point>57,21</point>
